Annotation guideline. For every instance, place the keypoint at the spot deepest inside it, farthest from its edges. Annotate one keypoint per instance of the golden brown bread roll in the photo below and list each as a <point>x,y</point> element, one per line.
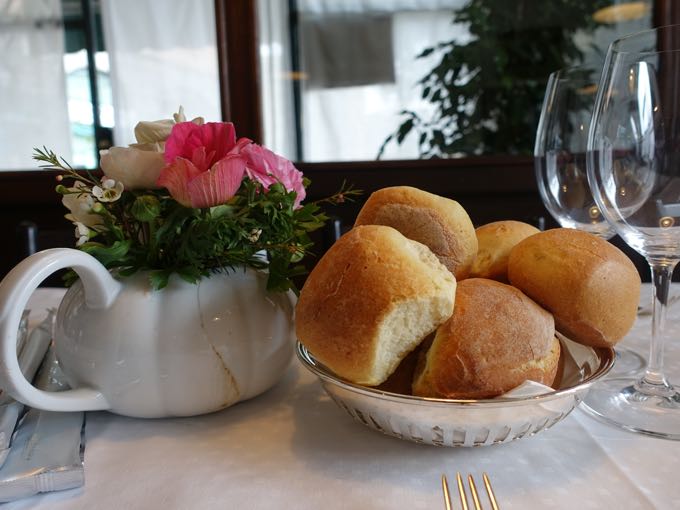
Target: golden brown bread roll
<point>588,284</point>
<point>370,301</point>
<point>496,339</point>
<point>495,242</point>
<point>439,223</point>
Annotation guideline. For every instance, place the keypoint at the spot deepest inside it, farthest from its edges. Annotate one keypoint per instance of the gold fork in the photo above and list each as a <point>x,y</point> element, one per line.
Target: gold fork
<point>473,492</point>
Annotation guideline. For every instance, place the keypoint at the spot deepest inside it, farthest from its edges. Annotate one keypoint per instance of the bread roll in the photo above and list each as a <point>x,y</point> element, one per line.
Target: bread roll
<point>440,223</point>
<point>588,284</point>
<point>495,242</point>
<point>370,301</point>
<point>496,339</point>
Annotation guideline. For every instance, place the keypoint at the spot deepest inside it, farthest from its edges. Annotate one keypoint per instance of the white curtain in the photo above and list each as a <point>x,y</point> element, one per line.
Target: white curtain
<point>33,107</point>
<point>276,87</point>
<point>162,55</point>
<point>351,122</point>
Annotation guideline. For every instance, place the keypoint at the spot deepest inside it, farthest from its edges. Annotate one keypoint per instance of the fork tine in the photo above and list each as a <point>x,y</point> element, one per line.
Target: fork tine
<point>473,491</point>
<point>489,491</point>
<point>461,492</point>
<point>447,496</point>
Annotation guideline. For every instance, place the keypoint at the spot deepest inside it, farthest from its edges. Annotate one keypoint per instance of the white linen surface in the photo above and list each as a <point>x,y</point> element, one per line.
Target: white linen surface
<point>292,447</point>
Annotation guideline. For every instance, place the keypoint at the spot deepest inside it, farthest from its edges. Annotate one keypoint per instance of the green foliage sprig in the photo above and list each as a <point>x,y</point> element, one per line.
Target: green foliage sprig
<point>149,230</point>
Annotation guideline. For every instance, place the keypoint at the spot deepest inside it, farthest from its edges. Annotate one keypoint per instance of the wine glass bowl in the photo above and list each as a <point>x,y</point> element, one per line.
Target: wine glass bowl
<point>560,150</point>
<point>560,164</point>
<point>634,173</point>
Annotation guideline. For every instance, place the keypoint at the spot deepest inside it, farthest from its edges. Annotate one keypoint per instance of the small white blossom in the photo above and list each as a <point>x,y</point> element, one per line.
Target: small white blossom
<point>254,235</point>
<point>82,233</point>
<point>109,191</point>
<point>79,201</point>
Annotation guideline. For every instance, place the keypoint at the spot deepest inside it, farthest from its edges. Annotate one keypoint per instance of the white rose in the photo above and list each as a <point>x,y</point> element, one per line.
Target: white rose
<point>138,166</point>
<point>154,133</point>
<point>134,168</point>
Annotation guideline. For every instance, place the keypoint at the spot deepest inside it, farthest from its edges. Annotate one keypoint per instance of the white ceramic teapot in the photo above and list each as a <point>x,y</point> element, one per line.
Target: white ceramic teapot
<point>184,350</point>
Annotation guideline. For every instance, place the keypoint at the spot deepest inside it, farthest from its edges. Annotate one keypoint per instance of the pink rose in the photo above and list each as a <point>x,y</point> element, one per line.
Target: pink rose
<point>204,164</point>
<point>268,168</point>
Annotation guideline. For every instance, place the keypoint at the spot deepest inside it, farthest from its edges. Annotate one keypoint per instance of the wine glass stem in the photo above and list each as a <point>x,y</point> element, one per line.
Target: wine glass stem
<point>654,382</point>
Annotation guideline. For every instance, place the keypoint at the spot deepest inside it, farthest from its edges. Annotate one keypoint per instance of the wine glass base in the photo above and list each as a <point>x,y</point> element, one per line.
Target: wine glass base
<point>617,402</point>
<point>627,362</point>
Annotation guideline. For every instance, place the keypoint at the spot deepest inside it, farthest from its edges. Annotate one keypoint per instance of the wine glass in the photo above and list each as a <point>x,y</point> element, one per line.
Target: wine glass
<point>560,163</point>
<point>633,168</point>
<point>560,150</point>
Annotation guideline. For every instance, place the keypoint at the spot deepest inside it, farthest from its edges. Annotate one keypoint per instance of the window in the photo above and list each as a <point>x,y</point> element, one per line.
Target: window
<point>77,75</point>
<point>356,79</point>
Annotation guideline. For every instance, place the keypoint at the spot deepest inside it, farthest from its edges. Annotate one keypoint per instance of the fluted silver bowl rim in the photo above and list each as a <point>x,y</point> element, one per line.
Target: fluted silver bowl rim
<point>606,357</point>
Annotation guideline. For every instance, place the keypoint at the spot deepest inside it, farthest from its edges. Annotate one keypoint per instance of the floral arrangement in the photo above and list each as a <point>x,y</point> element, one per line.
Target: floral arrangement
<point>191,198</point>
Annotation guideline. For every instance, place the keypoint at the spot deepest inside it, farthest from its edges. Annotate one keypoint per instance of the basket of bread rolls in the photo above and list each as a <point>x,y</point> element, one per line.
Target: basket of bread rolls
<point>426,329</point>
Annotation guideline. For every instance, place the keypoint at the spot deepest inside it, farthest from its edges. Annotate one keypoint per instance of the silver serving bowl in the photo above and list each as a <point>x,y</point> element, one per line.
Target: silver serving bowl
<point>450,422</point>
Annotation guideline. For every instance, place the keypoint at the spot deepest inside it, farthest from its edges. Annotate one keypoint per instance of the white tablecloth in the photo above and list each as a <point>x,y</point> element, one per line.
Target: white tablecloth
<point>293,448</point>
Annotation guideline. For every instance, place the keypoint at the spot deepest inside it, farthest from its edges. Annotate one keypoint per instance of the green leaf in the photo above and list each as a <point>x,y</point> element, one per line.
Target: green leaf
<point>159,279</point>
<point>404,130</point>
<point>107,255</point>
<point>221,210</point>
<point>146,208</point>
<point>190,274</point>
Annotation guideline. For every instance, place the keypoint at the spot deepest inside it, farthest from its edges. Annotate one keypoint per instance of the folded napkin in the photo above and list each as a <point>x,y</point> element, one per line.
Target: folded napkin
<point>579,361</point>
<point>31,350</point>
<point>46,451</point>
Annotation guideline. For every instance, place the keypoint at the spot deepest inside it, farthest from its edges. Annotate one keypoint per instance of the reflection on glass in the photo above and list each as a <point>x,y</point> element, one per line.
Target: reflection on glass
<point>434,78</point>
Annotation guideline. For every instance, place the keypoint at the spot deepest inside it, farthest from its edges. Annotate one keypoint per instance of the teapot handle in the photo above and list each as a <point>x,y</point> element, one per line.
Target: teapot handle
<point>16,288</point>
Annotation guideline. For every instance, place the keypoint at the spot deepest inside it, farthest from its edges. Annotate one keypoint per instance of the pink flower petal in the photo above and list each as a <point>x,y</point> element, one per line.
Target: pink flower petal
<point>175,177</point>
<point>200,158</point>
<point>219,184</point>
<point>174,145</point>
<point>240,144</point>
<point>266,167</point>
<point>217,138</point>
